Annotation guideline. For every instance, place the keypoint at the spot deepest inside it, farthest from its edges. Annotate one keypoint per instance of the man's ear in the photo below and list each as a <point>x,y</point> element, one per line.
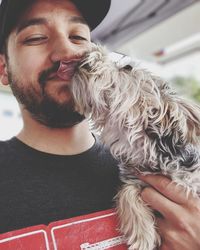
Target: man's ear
<point>3,70</point>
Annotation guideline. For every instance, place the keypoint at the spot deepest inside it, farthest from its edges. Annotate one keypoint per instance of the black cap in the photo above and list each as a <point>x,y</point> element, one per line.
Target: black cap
<point>93,11</point>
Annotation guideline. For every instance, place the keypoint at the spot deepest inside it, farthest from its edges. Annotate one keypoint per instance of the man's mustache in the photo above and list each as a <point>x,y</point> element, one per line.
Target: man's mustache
<point>45,75</point>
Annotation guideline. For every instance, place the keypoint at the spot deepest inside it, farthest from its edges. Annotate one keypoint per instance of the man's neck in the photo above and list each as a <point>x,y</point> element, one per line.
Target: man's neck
<point>65,141</point>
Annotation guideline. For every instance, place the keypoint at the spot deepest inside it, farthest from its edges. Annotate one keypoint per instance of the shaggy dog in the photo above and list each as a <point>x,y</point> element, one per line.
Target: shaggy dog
<point>147,127</point>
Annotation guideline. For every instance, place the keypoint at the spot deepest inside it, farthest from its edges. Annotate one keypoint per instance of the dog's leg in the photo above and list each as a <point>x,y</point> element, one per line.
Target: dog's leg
<point>137,221</point>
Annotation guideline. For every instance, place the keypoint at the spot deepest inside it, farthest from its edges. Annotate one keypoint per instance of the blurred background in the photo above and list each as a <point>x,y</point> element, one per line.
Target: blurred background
<point>163,36</point>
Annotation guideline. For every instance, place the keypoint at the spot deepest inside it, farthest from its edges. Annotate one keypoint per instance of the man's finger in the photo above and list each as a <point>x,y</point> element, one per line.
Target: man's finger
<point>168,188</point>
<point>159,202</point>
<point>166,233</point>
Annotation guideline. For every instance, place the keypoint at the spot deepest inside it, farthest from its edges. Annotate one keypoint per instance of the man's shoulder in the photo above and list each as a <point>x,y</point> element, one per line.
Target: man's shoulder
<point>4,145</point>
<point>7,149</point>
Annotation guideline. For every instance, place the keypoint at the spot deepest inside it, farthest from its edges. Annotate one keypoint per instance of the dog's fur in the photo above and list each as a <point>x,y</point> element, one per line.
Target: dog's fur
<point>148,128</point>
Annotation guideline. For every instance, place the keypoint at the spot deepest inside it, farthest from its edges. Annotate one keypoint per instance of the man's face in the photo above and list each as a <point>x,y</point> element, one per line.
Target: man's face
<point>49,32</point>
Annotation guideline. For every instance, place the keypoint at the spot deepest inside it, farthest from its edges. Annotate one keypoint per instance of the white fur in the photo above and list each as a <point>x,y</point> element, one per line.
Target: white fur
<point>148,128</point>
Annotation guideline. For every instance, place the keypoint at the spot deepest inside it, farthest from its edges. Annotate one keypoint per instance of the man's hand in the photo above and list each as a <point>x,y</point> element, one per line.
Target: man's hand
<point>180,226</point>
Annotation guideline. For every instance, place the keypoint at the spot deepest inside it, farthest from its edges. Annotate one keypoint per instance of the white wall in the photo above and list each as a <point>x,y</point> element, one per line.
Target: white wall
<point>10,117</point>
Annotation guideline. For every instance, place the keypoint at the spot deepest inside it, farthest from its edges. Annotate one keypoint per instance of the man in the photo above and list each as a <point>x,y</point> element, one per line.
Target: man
<point>55,168</point>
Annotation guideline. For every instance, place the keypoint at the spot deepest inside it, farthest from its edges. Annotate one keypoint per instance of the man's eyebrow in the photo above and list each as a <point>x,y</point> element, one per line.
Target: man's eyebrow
<point>31,22</point>
<point>78,19</point>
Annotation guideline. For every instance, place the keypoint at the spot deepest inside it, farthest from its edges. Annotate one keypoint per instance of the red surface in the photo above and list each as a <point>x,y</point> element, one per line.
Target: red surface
<point>95,231</point>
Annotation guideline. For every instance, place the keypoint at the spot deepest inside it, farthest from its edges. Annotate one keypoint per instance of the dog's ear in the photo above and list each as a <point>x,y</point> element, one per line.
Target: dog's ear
<point>178,121</point>
<point>182,115</point>
<point>191,114</point>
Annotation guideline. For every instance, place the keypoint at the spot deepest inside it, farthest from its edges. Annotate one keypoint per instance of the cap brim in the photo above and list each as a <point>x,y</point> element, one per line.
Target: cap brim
<point>93,11</point>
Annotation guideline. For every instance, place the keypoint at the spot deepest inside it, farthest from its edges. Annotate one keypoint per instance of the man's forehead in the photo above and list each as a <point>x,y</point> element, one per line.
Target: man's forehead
<point>43,21</point>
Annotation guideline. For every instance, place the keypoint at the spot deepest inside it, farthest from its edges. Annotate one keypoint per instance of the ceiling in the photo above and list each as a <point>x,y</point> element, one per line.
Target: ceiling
<point>142,28</point>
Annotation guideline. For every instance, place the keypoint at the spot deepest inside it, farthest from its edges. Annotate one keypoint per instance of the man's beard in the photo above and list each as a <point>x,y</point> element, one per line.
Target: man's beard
<point>42,106</point>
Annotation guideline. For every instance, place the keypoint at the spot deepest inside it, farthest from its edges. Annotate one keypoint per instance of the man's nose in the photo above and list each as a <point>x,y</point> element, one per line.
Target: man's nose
<point>64,49</point>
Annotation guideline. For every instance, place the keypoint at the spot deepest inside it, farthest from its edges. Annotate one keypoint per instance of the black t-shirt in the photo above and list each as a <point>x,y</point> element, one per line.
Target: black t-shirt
<point>39,188</point>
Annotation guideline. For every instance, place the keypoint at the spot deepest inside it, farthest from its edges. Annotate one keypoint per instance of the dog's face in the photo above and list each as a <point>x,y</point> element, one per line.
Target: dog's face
<point>92,82</point>
<point>95,60</point>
